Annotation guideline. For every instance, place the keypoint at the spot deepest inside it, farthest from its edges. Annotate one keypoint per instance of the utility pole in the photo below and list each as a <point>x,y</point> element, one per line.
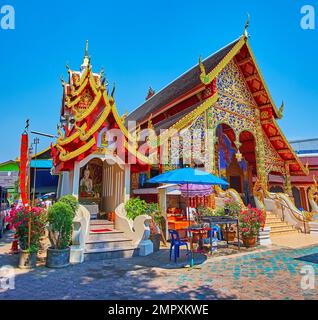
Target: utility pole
<point>36,141</point>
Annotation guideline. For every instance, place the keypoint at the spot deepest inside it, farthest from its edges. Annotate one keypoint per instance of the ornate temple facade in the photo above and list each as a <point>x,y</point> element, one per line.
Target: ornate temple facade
<point>223,102</point>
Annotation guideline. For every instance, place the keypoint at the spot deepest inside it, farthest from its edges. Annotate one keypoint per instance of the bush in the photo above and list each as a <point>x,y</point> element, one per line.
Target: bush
<point>60,218</point>
<point>135,207</point>
<point>19,219</point>
<point>232,207</point>
<point>157,219</point>
<point>71,201</point>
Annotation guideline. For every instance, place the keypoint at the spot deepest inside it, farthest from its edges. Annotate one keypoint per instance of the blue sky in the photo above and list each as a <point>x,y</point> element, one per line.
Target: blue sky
<point>143,43</point>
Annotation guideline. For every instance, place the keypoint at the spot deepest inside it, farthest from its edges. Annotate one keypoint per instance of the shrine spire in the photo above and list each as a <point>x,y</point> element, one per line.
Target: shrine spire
<point>86,60</point>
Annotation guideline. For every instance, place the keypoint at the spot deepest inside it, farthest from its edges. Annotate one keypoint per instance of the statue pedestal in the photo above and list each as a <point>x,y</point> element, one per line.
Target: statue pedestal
<point>264,237</point>
<point>145,247</point>
<point>77,254</point>
<point>313,226</point>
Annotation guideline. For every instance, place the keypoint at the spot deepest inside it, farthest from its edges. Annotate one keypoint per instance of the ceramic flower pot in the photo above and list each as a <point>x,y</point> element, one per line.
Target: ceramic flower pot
<point>155,238</point>
<point>228,235</point>
<point>249,242</point>
<point>27,260</point>
<point>58,258</point>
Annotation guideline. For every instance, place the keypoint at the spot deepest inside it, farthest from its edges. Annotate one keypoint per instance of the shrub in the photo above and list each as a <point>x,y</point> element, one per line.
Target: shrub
<point>153,210</point>
<point>219,212</point>
<point>232,207</point>
<point>135,207</point>
<point>60,218</point>
<point>71,201</point>
<point>19,219</point>
<point>204,211</point>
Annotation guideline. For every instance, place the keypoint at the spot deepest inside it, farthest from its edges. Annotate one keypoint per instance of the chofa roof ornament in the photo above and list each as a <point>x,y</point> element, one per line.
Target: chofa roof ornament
<point>246,34</point>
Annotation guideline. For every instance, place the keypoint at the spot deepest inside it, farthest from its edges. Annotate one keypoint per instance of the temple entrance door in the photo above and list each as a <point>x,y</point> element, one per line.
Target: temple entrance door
<point>235,176</point>
<point>113,186</point>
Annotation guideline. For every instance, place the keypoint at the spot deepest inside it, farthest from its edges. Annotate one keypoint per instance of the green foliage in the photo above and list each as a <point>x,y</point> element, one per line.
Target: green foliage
<point>219,212</point>
<point>157,219</point>
<point>135,207</point>
<point>60,218</point>
<point>204,211</point>
<point>71,201</point>
<point>233,208</point>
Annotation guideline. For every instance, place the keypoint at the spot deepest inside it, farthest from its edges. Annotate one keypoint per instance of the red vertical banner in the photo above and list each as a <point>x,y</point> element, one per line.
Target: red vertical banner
<point>23,168</point>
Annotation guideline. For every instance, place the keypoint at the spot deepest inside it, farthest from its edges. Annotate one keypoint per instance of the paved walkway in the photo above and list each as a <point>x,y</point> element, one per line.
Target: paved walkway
<point>262,274</point>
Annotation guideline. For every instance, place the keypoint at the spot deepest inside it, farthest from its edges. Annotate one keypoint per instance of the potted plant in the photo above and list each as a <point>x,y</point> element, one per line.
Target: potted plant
<point>71,201</point>
<point>251,220</point>
<point>19,219</point>
<point>155,225</point>
<point>60,218</point>
<point>231,209</point>
<point>135,207</point>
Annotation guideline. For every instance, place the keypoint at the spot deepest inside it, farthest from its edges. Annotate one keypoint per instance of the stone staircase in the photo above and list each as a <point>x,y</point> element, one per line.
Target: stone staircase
<point>108,243</point>
<point>278,227</point>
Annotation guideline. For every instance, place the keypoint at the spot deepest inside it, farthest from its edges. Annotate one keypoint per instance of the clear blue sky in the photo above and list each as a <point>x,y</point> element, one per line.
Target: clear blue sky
<point>143,43</point>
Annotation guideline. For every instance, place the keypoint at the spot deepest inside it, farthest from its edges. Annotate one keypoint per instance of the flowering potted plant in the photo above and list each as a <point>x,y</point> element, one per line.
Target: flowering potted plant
<point>251,220</point>
<point>19,219</point>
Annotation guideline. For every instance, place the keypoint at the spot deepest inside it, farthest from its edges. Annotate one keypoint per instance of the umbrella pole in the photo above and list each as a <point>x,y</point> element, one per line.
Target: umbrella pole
<point>190,234</point>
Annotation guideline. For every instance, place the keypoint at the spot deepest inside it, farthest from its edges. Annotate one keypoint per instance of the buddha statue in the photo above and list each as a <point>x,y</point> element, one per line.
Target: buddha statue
<point>86,181</point>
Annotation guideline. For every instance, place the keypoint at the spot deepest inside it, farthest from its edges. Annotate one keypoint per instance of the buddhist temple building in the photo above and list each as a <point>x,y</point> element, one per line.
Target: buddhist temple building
<point>223,102</point>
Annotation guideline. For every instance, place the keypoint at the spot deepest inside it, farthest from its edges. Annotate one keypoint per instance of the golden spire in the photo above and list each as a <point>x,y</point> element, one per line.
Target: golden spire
<point>86,57</point>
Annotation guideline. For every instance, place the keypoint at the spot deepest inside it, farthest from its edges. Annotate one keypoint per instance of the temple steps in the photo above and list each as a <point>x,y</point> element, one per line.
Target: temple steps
<point>107,242</point>
<point>279,227</point>
<point>101,254</point>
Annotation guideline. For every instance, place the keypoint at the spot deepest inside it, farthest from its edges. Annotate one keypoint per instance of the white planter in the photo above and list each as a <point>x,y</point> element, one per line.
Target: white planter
<point>264,237</point>
<point>313,227</point>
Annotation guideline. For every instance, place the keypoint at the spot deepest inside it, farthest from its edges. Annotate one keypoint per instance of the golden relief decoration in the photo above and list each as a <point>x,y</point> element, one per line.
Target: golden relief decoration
<point>231,82</point>
<point>75,78</point>
<point>85,101</point>
<point>273,162</point>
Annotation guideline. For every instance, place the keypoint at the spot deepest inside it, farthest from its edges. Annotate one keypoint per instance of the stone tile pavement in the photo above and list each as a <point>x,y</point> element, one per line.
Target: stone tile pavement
<point>272,273</point>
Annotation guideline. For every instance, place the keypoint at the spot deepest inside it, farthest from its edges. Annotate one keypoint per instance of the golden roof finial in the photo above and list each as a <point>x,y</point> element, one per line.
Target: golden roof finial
<point>315,181</point>
<point>62,80</point>
<point>281,110</point>
<point>101,74</point>
<point>68,68</point>
<point>124,116</point>
<point>246,35</point>
<point>111,100</point>
<point>203,75</point>
<point>307,168</point>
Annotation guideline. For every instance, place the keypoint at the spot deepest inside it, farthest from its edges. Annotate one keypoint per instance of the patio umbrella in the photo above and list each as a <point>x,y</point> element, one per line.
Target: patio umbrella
<point>188,176</point>
<point>196,190</point>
